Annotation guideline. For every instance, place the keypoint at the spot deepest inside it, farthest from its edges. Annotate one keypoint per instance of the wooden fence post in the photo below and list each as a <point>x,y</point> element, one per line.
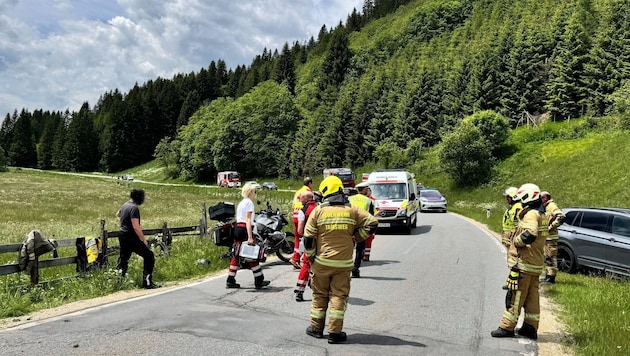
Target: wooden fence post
<point>203,224</point>
<point>164,231</point>
<point>103,238</point>
<point>35,272</point>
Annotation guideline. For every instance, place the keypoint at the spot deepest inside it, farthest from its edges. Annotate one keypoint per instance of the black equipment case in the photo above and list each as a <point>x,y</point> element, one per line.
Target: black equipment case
<point>223,211</point>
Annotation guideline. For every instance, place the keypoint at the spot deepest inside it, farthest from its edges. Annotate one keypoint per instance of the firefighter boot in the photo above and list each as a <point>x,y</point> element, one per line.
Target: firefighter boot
<point>500,332</point>
<point>527,331</point>
<point>549,280</point>
<point>260,282</point>
<point>299,296</point>
<point>314,333</point>
<point>147,281</point>
<point>336,338</point>
<point>231,283</point>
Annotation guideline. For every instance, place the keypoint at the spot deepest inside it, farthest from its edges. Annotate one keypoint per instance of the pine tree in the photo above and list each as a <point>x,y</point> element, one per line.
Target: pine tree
<point>59,159</point>
<point>6,131</point>
<point>353,23</point>
<point>81,142</point>
<point>609,59</point>
<point>191,104</point>
<point>337,59</point>
<point>285,69</point>
<point>566,91</point>
<point>45,147</point>
<point>3,161</point>
<point>22,152</point>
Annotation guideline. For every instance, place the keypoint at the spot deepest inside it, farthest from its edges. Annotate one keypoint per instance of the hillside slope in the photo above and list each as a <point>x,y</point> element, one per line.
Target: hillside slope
<point>585,171</point>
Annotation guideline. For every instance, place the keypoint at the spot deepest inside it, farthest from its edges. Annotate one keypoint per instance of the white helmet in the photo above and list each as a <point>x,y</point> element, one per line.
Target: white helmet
<point>527,193</point>
<point>510,192</point>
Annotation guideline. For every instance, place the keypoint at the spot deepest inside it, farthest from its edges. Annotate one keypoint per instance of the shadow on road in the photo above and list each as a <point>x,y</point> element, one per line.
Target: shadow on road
<point>374,339</point>
<point>268,289</point>
<point>422,229</point>
<point>359,301</point>
<point>372,262</point>
<point>376,278</point>
<point>278,262</point>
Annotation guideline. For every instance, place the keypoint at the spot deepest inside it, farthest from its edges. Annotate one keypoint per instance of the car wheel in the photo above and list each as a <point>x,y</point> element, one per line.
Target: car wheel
<point>566,259</point>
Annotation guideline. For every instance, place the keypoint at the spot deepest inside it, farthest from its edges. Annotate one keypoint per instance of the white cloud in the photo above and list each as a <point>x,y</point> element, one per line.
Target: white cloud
<point>57,54</point>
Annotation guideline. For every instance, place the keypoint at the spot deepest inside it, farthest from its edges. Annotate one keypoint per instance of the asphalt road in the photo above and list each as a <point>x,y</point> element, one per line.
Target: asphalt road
<point>434,292</point>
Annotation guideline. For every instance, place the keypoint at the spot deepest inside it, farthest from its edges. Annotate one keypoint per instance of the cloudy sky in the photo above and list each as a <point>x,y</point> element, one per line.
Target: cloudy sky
<point>57,54</point>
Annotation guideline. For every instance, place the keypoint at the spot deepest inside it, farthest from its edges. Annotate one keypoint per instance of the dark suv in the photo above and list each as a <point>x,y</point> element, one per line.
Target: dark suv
<point>596,238</point>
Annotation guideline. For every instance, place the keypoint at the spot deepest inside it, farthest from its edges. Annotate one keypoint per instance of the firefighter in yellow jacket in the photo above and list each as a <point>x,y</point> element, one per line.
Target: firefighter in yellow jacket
<point>556,218</point>
<point>510,217</point>
<point>526,263</point>
<point>333,227</point>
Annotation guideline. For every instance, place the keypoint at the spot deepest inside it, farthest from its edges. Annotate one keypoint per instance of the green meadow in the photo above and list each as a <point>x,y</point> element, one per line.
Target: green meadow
<point>65,206</point>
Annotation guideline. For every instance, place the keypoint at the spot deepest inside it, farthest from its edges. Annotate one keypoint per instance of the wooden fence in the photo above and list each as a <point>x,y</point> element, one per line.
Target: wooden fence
<point>162,241</point>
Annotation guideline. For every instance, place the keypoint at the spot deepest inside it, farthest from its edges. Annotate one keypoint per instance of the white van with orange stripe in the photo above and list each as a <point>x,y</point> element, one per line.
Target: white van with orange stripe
<point>396,198</point>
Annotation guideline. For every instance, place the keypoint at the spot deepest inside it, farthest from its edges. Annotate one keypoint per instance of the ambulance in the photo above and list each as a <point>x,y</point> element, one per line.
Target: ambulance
<point>396,198</point>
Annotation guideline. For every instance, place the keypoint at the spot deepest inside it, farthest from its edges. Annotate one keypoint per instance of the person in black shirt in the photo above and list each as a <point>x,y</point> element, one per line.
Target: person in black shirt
<point>131,238</point>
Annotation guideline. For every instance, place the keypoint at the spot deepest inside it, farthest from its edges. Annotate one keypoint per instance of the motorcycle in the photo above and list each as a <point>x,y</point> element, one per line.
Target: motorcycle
<point>268,233</point>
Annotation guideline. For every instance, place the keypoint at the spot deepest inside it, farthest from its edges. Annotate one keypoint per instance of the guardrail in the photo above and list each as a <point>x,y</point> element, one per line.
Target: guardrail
<point>163,242</point>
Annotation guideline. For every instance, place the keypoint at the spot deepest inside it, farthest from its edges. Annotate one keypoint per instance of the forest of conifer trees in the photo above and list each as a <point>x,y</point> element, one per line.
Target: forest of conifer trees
<point>396,77</point>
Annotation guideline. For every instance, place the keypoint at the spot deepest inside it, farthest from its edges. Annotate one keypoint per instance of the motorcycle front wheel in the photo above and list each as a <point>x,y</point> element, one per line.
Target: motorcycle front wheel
<point>285,250</point>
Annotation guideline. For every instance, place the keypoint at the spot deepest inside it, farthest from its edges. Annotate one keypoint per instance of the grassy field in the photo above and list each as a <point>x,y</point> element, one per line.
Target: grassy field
<point>69,206</point>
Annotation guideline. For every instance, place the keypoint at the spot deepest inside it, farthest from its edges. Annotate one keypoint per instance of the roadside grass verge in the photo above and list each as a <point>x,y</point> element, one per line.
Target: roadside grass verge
<point>596,311</point>
<point>67,206</point>
<point>579,167</point>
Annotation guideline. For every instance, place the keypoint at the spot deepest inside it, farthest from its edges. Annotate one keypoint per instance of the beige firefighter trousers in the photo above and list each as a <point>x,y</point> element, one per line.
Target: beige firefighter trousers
<point>526,297</point>
<point>551,257</point>
<point>332,285</point>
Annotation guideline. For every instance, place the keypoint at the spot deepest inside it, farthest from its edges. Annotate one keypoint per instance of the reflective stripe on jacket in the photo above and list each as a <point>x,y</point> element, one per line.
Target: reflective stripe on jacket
<point>510,217</point>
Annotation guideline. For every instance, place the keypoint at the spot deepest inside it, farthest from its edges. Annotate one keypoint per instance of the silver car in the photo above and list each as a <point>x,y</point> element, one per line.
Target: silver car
<point>597,238</point>
<point>254,183</point>
<point>432,199</point>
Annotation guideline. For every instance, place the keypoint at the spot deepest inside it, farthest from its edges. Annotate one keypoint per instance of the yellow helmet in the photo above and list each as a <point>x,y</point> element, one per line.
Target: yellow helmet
<point>330,185</point>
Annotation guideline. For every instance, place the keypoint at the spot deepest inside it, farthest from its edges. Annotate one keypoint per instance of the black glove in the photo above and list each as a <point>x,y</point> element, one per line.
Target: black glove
<point>548,261</point>
<point>512,280</point>
<point>527,237</point>
<point>508,299</point>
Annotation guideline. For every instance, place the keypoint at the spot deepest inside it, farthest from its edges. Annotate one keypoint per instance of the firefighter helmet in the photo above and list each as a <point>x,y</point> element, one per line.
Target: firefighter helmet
<point>527,193</point>
<point>330,185</point>
<point>510,192</point>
